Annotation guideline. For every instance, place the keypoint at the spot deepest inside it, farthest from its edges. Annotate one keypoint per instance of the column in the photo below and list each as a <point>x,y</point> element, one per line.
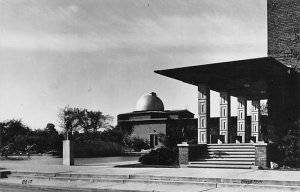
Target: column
<point>224,115</point>
<point>204,113</point>
<point>241,118</point>
<point>68,152</point>
<point>255,120</point>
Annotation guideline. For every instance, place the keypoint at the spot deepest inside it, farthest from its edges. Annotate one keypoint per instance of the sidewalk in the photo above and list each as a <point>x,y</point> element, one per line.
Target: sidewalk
<point>169,176</point>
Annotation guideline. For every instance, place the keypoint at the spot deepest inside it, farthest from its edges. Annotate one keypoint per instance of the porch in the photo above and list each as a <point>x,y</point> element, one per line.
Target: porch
<point>250,81</point>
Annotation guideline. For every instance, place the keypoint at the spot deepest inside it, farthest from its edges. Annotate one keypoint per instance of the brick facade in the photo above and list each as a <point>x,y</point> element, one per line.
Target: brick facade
<point>183,156</point>
<point>284,31</point>
<point>261,155</point>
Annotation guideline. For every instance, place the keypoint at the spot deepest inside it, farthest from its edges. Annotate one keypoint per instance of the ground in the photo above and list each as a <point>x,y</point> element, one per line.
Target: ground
<point>99,174</point>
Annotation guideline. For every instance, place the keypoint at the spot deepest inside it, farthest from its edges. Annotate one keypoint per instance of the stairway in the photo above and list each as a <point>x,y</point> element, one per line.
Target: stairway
<point>233,156</point>
<point>28,181</point>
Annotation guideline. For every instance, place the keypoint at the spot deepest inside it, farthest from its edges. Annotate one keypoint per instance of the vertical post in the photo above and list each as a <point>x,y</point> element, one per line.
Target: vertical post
<point>261,158</point>
<point>241,118</point>
<point>255,119</point>
<point>183,154</point>
<point>203,113</point>
<point>224,115</point>
<point>1,136</point>
<point>68,152</point>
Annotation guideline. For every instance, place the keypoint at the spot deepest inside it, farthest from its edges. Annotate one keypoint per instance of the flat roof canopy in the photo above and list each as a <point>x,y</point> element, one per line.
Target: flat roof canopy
<point>248,78</point>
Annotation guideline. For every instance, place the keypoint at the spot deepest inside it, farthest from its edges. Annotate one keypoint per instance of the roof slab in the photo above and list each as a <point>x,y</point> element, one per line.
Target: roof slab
<point>247,78</point>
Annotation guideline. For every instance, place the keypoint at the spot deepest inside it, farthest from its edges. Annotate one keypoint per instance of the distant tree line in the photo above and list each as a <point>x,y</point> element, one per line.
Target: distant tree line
<point>20,137</point>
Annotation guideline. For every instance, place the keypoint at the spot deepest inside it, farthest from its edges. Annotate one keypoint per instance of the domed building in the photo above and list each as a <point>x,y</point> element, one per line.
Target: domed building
<point>150,119</point>
<point>149,102</point>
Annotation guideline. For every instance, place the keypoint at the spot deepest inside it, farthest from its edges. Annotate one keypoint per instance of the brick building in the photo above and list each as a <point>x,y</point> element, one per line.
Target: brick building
<point>149,120</point>
<point>275,78</point>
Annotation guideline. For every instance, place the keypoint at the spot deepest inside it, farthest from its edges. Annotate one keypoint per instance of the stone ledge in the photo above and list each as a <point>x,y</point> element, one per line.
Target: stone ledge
<point>260,144</point>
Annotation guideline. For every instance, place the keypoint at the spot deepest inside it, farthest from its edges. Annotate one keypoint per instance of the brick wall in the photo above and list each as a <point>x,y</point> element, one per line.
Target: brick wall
<point>284,31</point>
<point>143,130</point>
<point>261,155</point>
<point>183,156</point>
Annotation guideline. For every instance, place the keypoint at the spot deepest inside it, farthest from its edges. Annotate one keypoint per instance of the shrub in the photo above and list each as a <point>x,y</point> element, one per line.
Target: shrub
<point>290,149</point>
<point>160,156</point>
<point>137,144</point>
<point>97,149</point>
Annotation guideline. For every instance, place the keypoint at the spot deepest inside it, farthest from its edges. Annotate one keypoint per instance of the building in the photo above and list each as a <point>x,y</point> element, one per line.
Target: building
<point>150,120</point>
<point>275,78</point>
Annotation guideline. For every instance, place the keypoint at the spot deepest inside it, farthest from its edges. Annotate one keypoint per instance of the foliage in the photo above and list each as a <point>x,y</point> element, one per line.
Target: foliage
<point>76,119</point>
<point>177,132</point>
<point>160,156</point>
<point>289,148</point>
<point>264,109</point>
<point>86,146</point>
<point>115,135</point>
<point>14,131</point>
<point>136,143</point>
<point>18,134</point>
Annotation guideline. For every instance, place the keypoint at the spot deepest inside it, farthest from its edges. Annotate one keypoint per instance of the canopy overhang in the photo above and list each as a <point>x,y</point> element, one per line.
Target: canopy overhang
<point>247,78</point>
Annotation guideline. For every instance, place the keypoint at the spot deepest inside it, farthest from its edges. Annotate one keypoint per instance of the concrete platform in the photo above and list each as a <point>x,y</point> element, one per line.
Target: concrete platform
<point>109,178</point>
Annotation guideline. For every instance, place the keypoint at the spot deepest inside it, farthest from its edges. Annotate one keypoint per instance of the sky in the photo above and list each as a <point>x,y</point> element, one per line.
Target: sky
<point>101,54</point>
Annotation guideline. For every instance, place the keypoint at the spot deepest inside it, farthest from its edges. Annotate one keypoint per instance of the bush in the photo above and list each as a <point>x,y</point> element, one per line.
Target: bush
<point>160,156</point>
<point>290,149</point>
<point>137,144</point>
<point>97,149</point>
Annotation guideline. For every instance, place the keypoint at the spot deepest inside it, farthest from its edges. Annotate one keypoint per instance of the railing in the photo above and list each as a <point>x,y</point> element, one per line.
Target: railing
<point>28,149</point>
<point>10,149</point>
<point>7,149</point>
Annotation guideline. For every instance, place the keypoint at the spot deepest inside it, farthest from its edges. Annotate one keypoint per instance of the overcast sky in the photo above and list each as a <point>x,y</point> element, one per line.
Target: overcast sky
<point>101,54</point>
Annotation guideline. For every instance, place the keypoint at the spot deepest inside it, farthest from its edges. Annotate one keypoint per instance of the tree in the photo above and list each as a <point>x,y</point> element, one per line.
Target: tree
<point>95,120</point>
<point>264,109</point>
<point>84,120</point>
<point>50,128</point>
<point>14,131</point>
<point>69,118</point>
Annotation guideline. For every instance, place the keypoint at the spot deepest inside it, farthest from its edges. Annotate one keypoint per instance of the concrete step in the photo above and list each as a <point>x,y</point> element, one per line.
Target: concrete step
<point>90,182</point>
<point>126,187</point>
<point>228,156</point>
<point>222,162</point>
<point>231,152</point>
<point>232,144</point>
<point>223,166</point>
<point>65,175</point>
<point>226,159</point>
<point>232,149</point>
<point>114,181</point>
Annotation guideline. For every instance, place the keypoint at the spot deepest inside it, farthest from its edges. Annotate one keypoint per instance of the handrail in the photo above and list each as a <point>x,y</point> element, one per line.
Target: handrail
<point>30,147</point>
<point>6,147</point>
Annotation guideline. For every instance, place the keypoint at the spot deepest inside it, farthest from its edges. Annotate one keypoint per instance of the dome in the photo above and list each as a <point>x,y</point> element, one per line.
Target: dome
<point>149,102</point>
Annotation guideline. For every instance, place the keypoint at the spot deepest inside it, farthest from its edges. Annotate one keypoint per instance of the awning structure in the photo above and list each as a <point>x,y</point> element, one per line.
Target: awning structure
<point>248,78</point>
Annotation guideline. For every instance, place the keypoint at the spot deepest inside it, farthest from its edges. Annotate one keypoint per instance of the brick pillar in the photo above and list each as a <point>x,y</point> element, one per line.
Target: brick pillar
<point>183,153</point>
<point>224,115</point>
<point>255,119</point>
<point>241,118</point>
<point>203,113</point>
<point>261,159</point>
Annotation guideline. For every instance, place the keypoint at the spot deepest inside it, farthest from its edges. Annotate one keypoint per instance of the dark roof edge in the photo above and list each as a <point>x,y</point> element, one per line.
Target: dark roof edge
<point>226,62</point>
<point>166,111</point>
